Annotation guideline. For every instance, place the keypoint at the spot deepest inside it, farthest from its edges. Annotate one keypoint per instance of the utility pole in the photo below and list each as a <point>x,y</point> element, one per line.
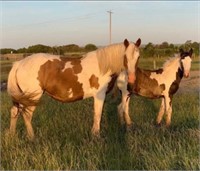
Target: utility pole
<point>110,12</point>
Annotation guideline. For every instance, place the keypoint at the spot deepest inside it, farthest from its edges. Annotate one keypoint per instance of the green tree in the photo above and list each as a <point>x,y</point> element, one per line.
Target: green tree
<point>71,48</point>
<point>7,50</point>
<point>164,45</point>
<point>21,50</point>
<point>149,50</point>
<point>39,49</point>
<point>90,47</point>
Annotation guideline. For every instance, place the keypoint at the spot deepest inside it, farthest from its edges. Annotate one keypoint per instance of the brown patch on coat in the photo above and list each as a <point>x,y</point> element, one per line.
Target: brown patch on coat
<point>147,87</point>
<point>112,82</point>
<point>94,81</point>
<point>61,85</point>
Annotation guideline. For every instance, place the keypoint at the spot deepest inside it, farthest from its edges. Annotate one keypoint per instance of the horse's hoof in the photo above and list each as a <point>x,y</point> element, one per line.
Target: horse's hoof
<point>158,125</point>
<point>97,138</point>
<point>95,133</point>
<point>31,139</point>
<point>129,128</point>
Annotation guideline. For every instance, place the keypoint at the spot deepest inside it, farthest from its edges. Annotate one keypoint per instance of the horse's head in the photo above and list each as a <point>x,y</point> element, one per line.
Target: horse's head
<point>131,58</point>
<point>186,61</point>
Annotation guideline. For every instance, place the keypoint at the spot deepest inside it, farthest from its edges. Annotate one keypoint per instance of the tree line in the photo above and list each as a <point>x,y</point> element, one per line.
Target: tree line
<point>59,50</point>
<point>149,50</point>
<point>166,49</point>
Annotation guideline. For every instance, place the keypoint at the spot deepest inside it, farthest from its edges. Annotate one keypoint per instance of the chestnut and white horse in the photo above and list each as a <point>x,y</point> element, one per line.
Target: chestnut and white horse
<point>69,80</point>
<point>162,83</point>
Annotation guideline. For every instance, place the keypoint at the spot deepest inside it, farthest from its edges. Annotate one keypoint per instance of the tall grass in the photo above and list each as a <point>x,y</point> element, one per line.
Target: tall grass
<point>63,139</point>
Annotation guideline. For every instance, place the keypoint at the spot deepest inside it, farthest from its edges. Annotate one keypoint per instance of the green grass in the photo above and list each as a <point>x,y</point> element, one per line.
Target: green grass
<point>63,138</point>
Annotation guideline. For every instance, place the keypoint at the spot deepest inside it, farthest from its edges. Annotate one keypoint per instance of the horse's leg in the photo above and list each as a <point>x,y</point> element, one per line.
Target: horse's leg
<point>168,104</point>
<point>123,109</point>
<point>98,106</point>
<point>161,112</point>
<point>126,112</point>
<point>121,113</point>
<point>27,115</point>
<point>13,119</point>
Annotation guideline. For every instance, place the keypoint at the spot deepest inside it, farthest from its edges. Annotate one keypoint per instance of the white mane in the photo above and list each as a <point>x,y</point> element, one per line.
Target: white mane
<point>171,62</point>
<point>111,58</point>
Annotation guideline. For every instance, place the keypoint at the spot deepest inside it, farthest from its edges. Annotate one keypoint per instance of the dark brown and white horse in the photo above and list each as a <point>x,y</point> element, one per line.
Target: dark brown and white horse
<point>162,83</point>
<point>69,80</point>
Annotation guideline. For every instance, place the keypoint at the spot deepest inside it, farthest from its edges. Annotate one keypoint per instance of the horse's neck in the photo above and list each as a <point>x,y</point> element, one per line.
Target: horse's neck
<point>172,65</point>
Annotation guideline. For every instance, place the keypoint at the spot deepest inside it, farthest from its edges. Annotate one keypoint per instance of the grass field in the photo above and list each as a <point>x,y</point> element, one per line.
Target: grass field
<point>63,139</point>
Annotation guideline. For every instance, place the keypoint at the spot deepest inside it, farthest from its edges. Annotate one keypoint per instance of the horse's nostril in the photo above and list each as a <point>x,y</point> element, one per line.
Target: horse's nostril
<point>186,75</point>
<point>130,87</point>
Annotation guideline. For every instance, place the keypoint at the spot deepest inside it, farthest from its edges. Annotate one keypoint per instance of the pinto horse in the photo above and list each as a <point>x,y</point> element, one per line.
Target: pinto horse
<point>69,80</point>
<point>162,83</point>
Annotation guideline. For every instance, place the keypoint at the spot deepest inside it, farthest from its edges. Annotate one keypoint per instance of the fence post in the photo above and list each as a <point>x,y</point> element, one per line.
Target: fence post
<point>154,64</point>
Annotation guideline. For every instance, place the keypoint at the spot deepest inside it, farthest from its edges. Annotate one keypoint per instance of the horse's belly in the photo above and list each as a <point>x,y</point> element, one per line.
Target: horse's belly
<point>66,97</point>
<point>149,93</point>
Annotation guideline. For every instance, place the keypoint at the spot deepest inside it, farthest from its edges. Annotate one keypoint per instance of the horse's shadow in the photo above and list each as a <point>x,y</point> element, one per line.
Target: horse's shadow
<point>116,151</point>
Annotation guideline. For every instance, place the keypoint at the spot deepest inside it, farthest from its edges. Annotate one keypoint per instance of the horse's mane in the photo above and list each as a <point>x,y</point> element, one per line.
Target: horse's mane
<point>111,58</point>
<point>171,61</point>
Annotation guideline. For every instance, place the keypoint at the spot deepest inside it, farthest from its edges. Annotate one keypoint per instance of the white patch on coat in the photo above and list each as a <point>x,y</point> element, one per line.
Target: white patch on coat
<point>86,73</point>
<point>70,93</point>
<point>168,75</point>
<point>67,65</point>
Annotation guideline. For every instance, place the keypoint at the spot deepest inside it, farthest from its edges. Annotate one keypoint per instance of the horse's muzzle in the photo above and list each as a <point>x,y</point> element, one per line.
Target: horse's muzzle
<point>186,74</point>
<point>131,78</point>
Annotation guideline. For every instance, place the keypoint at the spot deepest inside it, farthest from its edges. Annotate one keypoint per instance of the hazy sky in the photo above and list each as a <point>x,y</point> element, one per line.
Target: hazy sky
<point>57,23</point>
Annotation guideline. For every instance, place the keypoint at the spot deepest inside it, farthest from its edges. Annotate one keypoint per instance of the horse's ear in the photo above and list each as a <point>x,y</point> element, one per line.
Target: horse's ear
<point>181,51</point>
<point>126,43</point>
<point>138,42</point>
<point>190,52</point>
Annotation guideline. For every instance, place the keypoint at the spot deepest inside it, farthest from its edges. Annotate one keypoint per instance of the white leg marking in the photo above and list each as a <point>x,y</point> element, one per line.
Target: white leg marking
<point>98,106</point>
<point>161,111</point>
<point>126,111</point>
<point>27,115</point>
<point>13,119</point>
<point>168,104</point>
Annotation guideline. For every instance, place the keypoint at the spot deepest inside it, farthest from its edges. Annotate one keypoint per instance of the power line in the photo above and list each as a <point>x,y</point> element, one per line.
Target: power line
<point>68,19</point>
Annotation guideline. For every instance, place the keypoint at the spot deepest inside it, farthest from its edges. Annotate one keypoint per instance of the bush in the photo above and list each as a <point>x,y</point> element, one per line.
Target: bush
<point>90,47</point>
<point>7,50</point>
<point>39,49</point>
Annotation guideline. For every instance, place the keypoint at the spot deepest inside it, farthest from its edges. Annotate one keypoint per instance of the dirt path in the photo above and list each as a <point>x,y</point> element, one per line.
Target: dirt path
<point>191,84</point>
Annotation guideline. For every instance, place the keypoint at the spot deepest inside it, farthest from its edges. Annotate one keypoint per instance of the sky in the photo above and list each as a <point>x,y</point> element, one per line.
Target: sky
<point>56,23</point>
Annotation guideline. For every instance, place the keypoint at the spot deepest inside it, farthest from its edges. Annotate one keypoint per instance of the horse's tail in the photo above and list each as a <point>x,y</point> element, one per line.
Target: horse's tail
<point>14,90</point>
